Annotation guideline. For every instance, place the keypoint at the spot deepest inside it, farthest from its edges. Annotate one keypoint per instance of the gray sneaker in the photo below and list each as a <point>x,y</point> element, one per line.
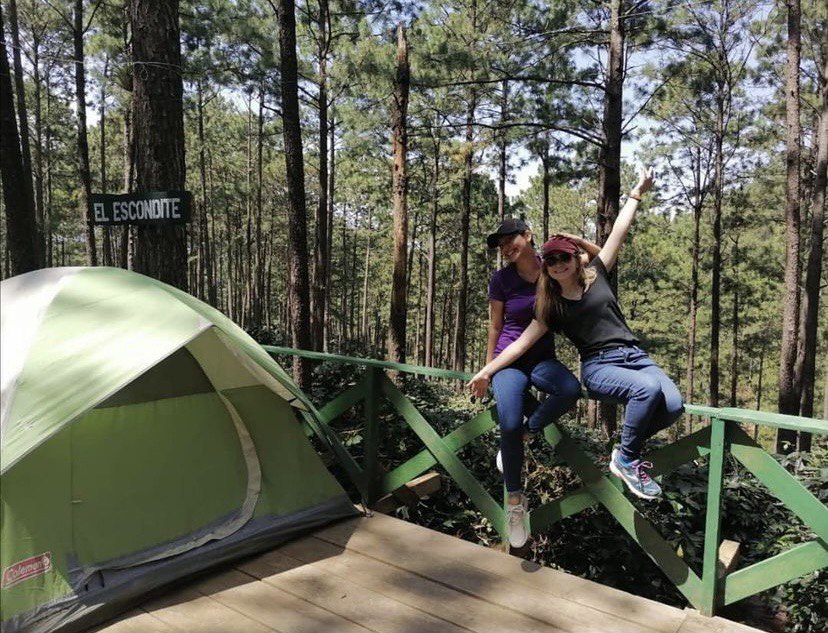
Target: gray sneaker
<point>516,522</point>
<point>635,476</point>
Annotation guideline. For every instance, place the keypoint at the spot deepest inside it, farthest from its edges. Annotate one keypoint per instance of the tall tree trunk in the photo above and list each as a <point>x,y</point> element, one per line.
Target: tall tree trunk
<point>694,291</point>
<point>465,217</point>
<point>129,171</point>
<point>21,229</point>
<point>399,127</point>
<point>320,259</point>
<point>40,212</point>
<point>258,262</point>
<point>825,395</point>
<point>501,163</point>
<point>297,216</point>
<point>158,132</point>
<point>547,177</point>
<point>48,179</point>
<point>206,241</point>
<point>366,268</point>
<point>715,283</point>
<point>106,232</point>
<point>788,390</point>
<point>609,174</point>
<point>83,141</point>
<point>329,218</point>
<point>734,358</point>
<point>432,260</point>
<point>246,268</point>
<point>22,114</point>
<point>806,361</point>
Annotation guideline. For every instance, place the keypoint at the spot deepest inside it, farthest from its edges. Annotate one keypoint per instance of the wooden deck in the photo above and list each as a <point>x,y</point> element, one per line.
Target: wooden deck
<point>386,575</point>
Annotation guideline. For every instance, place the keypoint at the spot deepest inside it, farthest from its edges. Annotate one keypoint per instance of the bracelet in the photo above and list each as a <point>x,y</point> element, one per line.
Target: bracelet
<point>635,196</point>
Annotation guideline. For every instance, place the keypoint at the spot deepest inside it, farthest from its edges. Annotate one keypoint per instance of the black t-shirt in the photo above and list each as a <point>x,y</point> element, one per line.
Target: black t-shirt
<point>594,322</point>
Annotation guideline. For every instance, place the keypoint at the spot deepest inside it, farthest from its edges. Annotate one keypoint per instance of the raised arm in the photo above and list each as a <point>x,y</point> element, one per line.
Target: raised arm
<point>496,310</point>
<point>590,249</point>
<point>609,252</point>
<point>480,382</point>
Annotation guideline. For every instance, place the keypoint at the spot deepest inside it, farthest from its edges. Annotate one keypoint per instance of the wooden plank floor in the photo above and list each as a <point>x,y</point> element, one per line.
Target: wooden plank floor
<point>382,574</point>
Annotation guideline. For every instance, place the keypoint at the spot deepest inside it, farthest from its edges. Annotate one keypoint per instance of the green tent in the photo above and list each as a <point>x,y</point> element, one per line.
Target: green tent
<point>143,437</point>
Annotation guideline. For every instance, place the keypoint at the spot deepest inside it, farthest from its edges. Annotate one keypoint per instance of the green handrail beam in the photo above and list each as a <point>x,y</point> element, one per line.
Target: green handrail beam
<point>707,592</point>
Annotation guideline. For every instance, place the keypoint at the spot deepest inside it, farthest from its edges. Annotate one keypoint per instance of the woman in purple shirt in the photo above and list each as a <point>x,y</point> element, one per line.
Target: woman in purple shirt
<point>511,309</point>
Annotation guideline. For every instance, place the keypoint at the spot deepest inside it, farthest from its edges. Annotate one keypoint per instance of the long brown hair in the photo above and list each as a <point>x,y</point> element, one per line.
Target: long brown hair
<point>548,303</point>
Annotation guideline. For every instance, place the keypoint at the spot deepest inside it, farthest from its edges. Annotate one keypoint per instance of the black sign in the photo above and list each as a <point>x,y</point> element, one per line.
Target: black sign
<point>146,207</point>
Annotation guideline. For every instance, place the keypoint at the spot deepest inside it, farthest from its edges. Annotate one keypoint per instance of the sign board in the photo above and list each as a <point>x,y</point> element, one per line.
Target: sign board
<point>144,207</point>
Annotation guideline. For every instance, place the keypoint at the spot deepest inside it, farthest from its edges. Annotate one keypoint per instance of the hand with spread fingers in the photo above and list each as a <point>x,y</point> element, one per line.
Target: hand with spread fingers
<point>479,384</point>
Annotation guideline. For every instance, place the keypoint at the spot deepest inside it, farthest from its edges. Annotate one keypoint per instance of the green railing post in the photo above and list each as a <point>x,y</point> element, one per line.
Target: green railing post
<point>707,593</point>
<point>710,594</point>
<point>370,461</point>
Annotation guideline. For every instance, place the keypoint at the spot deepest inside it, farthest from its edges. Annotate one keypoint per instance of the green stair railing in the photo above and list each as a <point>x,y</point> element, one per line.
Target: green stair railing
<point>707,592</point>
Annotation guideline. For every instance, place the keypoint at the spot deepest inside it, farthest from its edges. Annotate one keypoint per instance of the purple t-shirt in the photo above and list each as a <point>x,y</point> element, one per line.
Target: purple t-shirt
<point>518,297</point>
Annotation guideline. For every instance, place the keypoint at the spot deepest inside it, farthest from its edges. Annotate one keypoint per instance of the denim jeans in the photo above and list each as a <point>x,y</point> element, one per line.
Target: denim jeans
<point>629,376</point>
<point>510,386</point>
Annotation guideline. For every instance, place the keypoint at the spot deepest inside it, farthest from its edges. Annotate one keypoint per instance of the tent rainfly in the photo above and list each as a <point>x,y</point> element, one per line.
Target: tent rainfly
<point>143,437</point>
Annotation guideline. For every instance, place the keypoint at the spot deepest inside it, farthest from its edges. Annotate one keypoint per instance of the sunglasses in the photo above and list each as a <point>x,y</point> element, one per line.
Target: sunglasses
<point>557,258</point>
<point>506,240</point>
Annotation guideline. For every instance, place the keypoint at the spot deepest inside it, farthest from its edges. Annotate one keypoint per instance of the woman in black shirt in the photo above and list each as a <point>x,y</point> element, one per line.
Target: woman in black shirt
<point>578,301</point>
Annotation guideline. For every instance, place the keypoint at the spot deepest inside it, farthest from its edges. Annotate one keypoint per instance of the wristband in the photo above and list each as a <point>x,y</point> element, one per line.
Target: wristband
<point>635,196</point>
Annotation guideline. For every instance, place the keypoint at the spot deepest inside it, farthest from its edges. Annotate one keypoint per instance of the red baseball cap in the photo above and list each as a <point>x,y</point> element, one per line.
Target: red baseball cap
<point>559,245</point>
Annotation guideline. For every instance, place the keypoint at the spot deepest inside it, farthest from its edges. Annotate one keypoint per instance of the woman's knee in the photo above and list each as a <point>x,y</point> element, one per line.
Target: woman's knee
<point>510,421</point>
<point>645,388</point>
<point>556,380</point>
<point>675,409</point>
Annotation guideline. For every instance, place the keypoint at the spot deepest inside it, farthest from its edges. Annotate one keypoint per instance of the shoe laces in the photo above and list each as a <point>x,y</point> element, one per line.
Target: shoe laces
<point>643,475</point>
<point>516,513</point>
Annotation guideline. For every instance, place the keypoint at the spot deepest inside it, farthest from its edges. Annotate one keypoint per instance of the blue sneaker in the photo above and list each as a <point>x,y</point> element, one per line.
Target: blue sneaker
<point>635,476</point>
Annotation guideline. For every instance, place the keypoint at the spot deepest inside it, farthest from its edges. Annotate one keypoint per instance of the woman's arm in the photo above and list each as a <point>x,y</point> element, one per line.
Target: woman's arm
<point>496,309</point>
<point>609,252</point>
<point>531,335</point>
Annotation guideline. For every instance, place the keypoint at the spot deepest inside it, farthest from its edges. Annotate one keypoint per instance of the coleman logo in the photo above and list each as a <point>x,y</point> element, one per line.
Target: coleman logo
<point>25,569</point>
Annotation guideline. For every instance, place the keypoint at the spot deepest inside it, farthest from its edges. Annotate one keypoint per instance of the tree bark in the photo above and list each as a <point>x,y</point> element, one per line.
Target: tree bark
<point>83,140</point>
<point>399,125</point>
<point>297,212</point>
<point>716,283</point>
<point>432,260</point>
<point>501,171</point>
<point>788,401</point>
<point>23,116</point>
<point>806,361</point>
<point>609,174</point>
<point>320,255</point>
<point>106,232</point>
<point>365,270</point>
<point>734,359</point>
<point>21,229</point>
<point>158,132</point>
<point>694,290</point>
<point>329,219</point>
<point>465,216</point>
<point>547,177</point>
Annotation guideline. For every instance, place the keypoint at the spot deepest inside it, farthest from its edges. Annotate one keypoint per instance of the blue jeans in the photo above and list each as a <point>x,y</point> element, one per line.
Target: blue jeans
<point>629,376</point>
<point>510,386</point>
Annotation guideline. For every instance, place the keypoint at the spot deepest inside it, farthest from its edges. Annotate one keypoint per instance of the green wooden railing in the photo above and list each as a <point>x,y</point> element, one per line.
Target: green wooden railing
<point>706,592</point>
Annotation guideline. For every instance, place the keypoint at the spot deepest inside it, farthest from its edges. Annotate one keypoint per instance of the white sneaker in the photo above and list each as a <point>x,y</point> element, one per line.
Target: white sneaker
<point>516,522</point>
<point>499,458</point>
